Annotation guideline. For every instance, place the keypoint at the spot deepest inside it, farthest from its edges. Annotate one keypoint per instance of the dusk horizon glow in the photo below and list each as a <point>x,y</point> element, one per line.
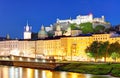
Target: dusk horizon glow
<point>15,14</point>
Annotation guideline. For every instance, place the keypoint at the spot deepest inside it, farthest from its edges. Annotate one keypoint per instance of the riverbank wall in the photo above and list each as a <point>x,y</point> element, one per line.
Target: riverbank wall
<point>38,65</point>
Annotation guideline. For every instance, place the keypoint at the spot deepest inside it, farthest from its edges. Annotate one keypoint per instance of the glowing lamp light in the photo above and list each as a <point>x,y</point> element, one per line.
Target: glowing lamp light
<point>36,60</point>
<point>43,61</point>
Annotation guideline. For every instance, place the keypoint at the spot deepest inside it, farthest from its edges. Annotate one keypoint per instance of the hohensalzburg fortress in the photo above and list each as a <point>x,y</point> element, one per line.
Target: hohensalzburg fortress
<point>83,19</point>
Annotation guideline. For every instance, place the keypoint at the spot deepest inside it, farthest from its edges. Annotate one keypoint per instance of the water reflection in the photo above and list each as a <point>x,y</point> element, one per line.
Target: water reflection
<point>30,73</point>
<point>4,72</point>
<point>36,74</point>
<point>19,72</point>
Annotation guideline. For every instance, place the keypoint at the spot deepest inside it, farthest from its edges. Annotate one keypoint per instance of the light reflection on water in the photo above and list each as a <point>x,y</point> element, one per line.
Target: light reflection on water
<point>19,72</point>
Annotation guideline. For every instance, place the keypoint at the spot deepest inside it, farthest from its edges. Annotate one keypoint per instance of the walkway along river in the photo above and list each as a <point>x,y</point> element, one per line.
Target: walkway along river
<point>30,64</point>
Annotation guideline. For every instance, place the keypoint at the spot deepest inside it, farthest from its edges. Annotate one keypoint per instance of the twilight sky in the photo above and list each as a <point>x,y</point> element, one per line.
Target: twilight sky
<point>15,13</point>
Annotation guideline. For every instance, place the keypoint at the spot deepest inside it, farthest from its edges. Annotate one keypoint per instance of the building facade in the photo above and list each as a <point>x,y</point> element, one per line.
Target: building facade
<point>69,48</point>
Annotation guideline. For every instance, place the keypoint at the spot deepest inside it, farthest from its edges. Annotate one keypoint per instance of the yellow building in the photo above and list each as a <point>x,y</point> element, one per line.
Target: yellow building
<point>48,47</point>
<point>74,47</point>
<point>101,37</point>
<point>7,47</point>
<point>70,48</point>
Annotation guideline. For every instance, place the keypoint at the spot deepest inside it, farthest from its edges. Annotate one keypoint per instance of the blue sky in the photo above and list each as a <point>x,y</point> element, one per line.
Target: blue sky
<point>15,13</point>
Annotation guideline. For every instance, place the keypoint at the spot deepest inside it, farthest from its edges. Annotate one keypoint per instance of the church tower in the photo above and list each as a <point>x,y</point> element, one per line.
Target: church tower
<point>27,32</point>
<point>42,34</point>
<point>58,31</point>
<point>68,32</point>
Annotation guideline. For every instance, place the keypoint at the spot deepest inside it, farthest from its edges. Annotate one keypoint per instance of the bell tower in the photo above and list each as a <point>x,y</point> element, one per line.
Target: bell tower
<point>27,32</point>
<point>58,31</point>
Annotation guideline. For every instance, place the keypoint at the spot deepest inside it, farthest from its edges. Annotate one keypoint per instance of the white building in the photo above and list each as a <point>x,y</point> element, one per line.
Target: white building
<point>49,28</point>
<point>27,32</point>
<point>82,19</point>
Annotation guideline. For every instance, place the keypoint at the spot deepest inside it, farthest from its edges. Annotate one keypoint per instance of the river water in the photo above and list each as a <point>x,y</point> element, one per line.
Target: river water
<point>19,72</point>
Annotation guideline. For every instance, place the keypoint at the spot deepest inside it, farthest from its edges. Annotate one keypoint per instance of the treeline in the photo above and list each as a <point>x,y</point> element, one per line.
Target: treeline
<point>98,50</point>
<point>89,28</point>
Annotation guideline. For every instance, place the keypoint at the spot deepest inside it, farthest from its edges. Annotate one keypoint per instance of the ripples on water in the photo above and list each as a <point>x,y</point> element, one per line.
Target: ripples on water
<point>19,72</point>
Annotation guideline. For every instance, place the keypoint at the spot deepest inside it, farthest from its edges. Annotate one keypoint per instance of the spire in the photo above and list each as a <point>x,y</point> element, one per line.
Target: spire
<point>27,28</point>
<point>27,32</point>
<point>58,27</point>
<point>42,27</point>
<point>7,36</point>
<point>27,23</point>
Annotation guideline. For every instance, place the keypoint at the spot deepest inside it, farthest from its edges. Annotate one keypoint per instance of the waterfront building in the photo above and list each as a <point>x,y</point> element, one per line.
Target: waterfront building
<point>8,47</point>
<point>74,47</point>
<point>69,48</point>
<point>101,37</point>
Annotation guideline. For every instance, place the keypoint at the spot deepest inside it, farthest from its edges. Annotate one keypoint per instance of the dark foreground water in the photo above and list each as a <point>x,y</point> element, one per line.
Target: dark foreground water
<point>19,72</point>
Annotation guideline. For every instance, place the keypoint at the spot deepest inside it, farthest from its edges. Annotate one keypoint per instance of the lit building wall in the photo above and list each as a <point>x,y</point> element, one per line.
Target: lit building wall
<point>114,39</point>
<point>13,47</point>
<point>74,47</point>
<point>31,48</point>
<point>48,47</point>
<point>26,48</point>
<point>40,47</point>
<point>101,37</point>
<point>7,47</point>
<point>64,46</point>
<point>52,47</point>
<point>27,35</point>
<point>3,49</point>
<point>23,48</point>
<point>67,47</point>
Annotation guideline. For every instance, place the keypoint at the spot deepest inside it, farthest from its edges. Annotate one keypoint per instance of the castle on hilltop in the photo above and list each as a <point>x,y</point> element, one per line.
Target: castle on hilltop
<point>65,25</point>
<point>83,19</point>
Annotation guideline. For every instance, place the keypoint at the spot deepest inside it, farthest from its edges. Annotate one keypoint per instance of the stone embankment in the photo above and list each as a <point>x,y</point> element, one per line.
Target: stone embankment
<point>39,65</point>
